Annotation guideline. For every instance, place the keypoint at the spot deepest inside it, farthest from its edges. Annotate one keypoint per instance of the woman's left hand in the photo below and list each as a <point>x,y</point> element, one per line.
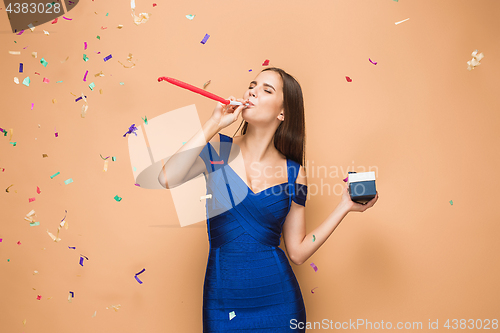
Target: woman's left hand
<point>352,206</point>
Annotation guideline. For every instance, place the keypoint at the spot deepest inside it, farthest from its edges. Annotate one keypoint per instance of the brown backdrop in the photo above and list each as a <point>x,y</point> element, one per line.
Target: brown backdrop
<point>419,118</point>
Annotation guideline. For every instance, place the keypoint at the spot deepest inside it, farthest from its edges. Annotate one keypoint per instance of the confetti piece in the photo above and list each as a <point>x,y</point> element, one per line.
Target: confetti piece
<point>217,162</point>
<point>131,130</point>
<point>206,84</point>
<point>94,314</point>
<point>105,165</point>
<point>132,4</point>
<point>122,83</point>
<point>81,259</point>
<point>205,38</point>
<point>58,81</point>
<point>475,60</point>
<point>231,315</point>
<point>348,79</point>
<point>451,202</point>
<point>44,62</point>
<point>100,91</point>
<point>54,238</point>
<point>70,296</point>
<point>401,21</point>
<point>113,159</point>
<point>154,5</point>
<point>67,181</point>
<point>249,70</point>
<point>45,80</point>
<point>79,98</point>
<point>313,289</point>
<point>39,297</point>
<point>138,274</point>
<point>314,266</point>
<point>20,33</point>
<point>16,80</point>
<point>19,243</point>
<point>13,143</point>
<point>15,52</point>
<point>184,142</point>
<point>120,26</point>
<point>67,18</point>
<point>265,63</point>
<point>38,190</point>
<point>31,26</point>
<point>372,61</point>
<point>85,58</point>
<point>108,57</point>
<point>46,32</point>
<point>55,21</point>
<point>20,67</point>
<point>117,198</point>
<point>91,86</point>
<point>142,18</point>
<point>98,37</point>
<point>345,179</point>
<point>56,134</point>
<point>44,155</point>
<point>208,196</point>
<point>62,62</point>
<point>85,77</point>
<point>137,185</point>
<point>31,199</point>
<point>33,224</point>
<point>190,17</point>
<point>51,177</point>
<point>32,105</point>
<point>85,45</point>
<point>26,81</point>
<point>72,247</point>
<point>115,307</point>
<point>54,101</point>
<point>103,28</point>
<point>7,189</point>
<point>103,157</point>
<point>145,119</point>
<point>0,240</point>
<point>314,238</point>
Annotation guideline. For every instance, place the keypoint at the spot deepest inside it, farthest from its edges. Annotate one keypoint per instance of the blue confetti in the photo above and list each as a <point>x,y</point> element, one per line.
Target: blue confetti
<point>205,38</point>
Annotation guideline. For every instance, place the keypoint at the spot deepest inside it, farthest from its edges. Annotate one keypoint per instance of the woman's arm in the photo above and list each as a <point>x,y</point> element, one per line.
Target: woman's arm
<point>185,161</point>
<point>300,246</point>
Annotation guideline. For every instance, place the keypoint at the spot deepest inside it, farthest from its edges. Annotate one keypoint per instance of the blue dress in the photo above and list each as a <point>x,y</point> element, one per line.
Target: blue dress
<point>249,284</point>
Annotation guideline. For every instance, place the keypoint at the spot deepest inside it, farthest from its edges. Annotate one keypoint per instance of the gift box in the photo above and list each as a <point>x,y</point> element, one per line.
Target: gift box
<point>362,186</point>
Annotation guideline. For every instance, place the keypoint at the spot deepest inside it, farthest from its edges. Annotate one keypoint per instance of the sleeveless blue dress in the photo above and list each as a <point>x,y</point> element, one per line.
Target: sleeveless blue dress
<point>249,284</point>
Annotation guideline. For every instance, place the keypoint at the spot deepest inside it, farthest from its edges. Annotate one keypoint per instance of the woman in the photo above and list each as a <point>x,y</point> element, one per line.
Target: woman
<point>258,188</point>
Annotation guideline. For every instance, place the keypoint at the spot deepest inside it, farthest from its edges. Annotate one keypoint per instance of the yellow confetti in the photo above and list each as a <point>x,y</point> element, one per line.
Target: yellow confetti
<point>475,60</point>
<point>115,307</point>
<point>54,101</point>
<point>99,74</point>
<point>54,238</point>
<point>120,26</point>
<point>34,54</point>
<point>100,91</point>
<point>142,18</point>
<point>62,62</point>
<point>206,84</point>
<point>29,216</point>
<point>24,322</point>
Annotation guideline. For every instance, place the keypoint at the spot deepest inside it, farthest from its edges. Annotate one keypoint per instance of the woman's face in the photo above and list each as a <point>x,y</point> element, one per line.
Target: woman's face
<point>266,94</point>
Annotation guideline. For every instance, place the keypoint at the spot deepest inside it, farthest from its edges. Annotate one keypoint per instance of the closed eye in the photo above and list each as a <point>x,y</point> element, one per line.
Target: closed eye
<point>264,90</point>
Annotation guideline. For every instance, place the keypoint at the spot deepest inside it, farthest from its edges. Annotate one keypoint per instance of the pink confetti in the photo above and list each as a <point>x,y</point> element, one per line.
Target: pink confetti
<point>103,27</point>
<point>56,134</point>
<point>24,48</point>
<point>0,240</point>
<point>19,243</point>
<point>265,63</point>
<point>314,266</point>
<point>348,79</point>
<point>38,190</point>
<point>85,77</point>
<point>372,61</point>
<point>154,5</point>
<point>20,32</point>
<point>67,18</point>
<point>32,105</point>
<point>55,21</point>
<point>31,199</point>
<point>345,179</point>
<point>45,80</point>
<point>39,297</point>
<point>313,289</point>
<point>85,45</point>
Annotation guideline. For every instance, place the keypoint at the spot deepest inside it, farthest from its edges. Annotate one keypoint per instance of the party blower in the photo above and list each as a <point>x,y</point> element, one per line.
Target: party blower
<point>199,91</point>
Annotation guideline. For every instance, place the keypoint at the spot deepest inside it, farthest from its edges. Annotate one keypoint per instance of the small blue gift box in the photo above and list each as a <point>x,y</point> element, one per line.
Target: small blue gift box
<point>362,186</point>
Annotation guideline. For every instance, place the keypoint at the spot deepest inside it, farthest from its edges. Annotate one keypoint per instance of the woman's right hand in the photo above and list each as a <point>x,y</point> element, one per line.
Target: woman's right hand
<point>224,115</point>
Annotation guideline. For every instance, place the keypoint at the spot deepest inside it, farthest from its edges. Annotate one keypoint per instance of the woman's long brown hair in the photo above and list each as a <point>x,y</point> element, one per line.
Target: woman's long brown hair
<point>290,136</point>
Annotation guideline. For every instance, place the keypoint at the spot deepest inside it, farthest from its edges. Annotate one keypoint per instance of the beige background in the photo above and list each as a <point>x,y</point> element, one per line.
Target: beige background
<point>419,116</point>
